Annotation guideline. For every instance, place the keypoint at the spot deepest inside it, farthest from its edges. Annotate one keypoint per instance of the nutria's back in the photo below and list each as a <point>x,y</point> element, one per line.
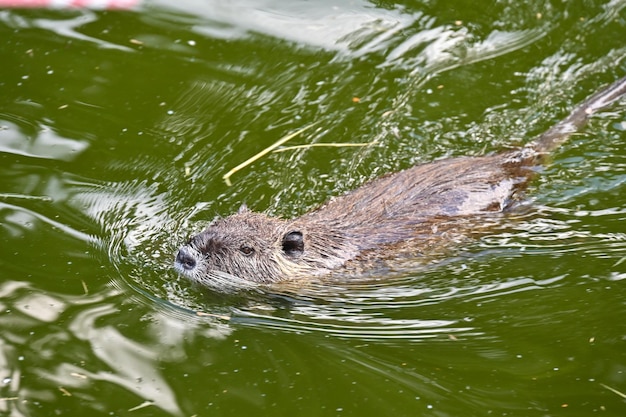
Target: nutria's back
<point>409,207</point>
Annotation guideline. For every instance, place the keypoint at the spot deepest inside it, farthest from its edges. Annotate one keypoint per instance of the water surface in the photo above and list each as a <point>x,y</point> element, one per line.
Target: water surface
<point>116,128</point>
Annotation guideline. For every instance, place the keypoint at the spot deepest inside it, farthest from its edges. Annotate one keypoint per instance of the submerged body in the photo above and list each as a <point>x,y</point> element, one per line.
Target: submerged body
<point>405,209</point>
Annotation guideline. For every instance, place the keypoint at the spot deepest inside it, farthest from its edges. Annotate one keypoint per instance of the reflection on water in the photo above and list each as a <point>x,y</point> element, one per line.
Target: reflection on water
<point>115,131</point>
<point>86,353</point>
<point>45,144</point>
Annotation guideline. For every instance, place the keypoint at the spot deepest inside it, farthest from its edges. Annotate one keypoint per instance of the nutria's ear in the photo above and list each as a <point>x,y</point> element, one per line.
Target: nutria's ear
<point>293,243</point>
<point>243,209</point>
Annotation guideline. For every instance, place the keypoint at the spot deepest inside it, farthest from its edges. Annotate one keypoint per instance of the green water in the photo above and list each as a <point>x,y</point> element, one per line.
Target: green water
<point>116,128</point>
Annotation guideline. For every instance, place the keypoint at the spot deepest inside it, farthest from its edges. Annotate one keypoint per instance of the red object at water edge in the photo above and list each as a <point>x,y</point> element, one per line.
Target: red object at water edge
<point>69,4</point>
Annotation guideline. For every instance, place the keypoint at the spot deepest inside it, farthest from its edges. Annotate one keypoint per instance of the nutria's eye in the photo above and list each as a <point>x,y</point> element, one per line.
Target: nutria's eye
<point>246,250</point>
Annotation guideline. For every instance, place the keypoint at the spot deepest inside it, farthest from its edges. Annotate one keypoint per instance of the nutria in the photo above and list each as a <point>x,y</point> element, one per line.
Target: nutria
<point>406,209</point>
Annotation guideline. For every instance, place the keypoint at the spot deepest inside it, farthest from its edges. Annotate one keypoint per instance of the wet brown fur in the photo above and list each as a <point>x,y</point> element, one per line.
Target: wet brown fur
<point>410,208</point>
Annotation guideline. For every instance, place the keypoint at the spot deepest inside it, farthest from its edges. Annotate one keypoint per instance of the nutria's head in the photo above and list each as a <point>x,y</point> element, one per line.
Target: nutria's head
<point>247,249</point>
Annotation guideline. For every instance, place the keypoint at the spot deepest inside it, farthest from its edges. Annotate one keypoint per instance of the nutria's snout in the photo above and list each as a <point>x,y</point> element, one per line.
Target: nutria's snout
<point>185,260</point>
<point>189,261</point>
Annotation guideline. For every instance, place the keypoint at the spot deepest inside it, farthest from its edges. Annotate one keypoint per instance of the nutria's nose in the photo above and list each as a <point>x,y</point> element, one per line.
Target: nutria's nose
<point>185,259</point>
